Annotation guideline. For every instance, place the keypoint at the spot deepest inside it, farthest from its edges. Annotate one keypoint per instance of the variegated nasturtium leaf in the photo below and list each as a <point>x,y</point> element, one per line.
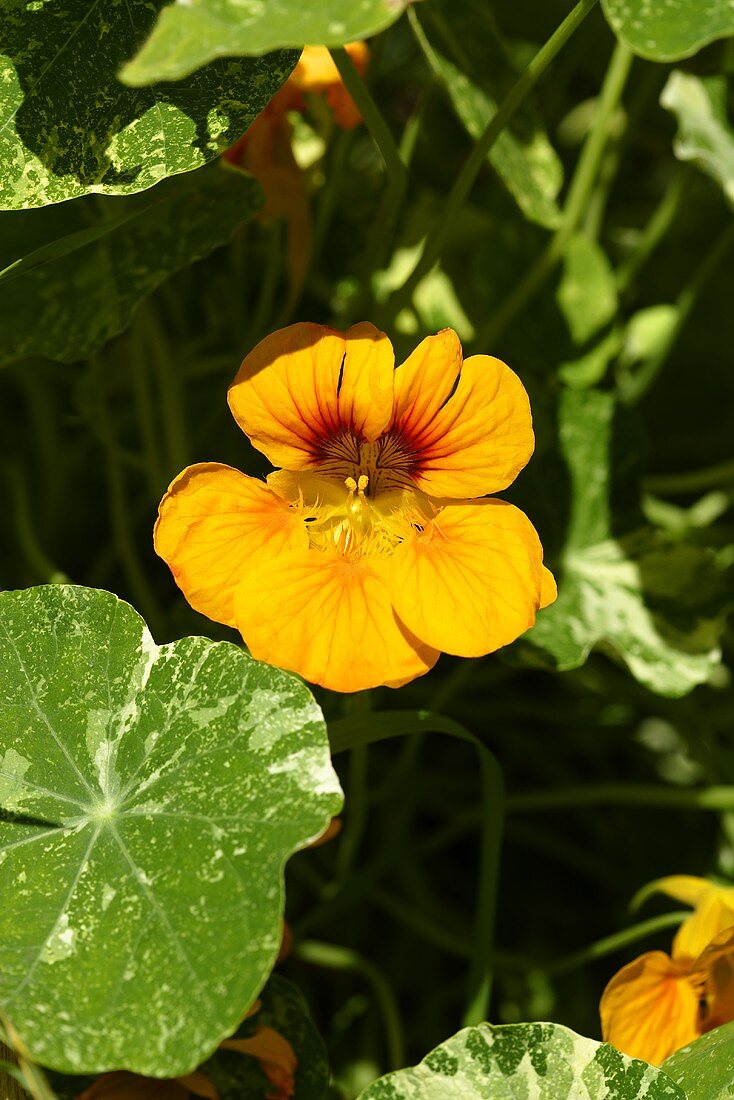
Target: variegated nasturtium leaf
<point>150,799</point>
<point>705,1069</point>
<point>463,47</point>
<point>240,1077</point>
<point>517,1061</point>
<point>668,30</point>
<point>188,35</point>
<point>69,127</point>
<point>651,602</point>
<point>151,236</point>
<point>705,136</point>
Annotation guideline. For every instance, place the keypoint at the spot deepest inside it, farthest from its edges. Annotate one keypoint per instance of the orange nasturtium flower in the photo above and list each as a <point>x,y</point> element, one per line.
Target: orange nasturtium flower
<point>375,546</point>
<point>660,1003</point>
<point>265,149</point>
<point>274,1053</point>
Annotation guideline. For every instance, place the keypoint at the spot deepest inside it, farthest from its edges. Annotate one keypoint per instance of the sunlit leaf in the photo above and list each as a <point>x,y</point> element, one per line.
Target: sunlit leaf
<point>667,30</point>
<point>516,1061</point>
<point>159,233</point>
<point>705,135</point>
<point>152,796</point>
<point>69,127</point>
<point>463,48</point>
<point>705,1069</point>
<point>648,331</point>
<point>238,1076</point>
<point>587,293</point>
<point>189,35</point>
<point>650,602</point>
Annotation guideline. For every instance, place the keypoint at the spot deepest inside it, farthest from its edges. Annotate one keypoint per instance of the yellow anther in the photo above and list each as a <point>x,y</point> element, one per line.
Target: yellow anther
<point>362,483</point>
<point>351,484</point>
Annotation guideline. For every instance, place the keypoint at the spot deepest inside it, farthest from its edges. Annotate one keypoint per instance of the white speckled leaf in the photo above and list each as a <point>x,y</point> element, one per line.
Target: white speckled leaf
<point>138,931</point>
<point>524,1061</point>
<point>705,1069</point>
<point>189,33</point>
<point>166,229</point>
<point>668,30</point>
<point>463,48</point>
<point>68,127</point>
<point>649,602</point>
<point>705,135</point>
<point>239,1077</point>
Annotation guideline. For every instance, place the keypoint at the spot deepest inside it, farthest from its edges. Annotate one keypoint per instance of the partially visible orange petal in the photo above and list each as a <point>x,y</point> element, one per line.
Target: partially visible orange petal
<point>122,1085</point>
<point>305,386</point>
<point>199,1085</point>
<point>713,911</point>
<point>651,1008</point>
<point>713,915</point>
<point>332,829</point>
<point>213,524</point>
<point>276,1057</point>
<point>472,581</point>
<point>479,438</point>
<point>317,73</point>
<point>329,617</point>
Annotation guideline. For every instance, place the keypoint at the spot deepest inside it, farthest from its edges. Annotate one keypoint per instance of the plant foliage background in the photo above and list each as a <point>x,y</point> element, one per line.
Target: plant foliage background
<point>593,252</point>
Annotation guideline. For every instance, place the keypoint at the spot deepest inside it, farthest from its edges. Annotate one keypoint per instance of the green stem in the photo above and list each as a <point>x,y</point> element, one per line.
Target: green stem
<point>120,516</point>
<point>334,957</point>
<point>474,162</point>
<point>716,799</point>
<point>422,925</point>
<point>357,791</point>
<point>348,732</point>
<point>633,387</point>
<point>616,942</point>
<point>374,120</point>
<point>263,310</point>
<point>574,206</point>
<point>693,481</point>
<point>149,434</point>
<point>660,222</point>
<point>35,557</point>
<point>170,386</point>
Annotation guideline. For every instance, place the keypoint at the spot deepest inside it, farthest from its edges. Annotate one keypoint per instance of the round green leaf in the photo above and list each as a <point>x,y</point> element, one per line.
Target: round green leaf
<point>705,1069</point>
<point>150,798</point>
<point>515,1061</point>
<point>189,35</point>
<point>667,30</point>
<point>238,1076</point>
<point>68,127</point>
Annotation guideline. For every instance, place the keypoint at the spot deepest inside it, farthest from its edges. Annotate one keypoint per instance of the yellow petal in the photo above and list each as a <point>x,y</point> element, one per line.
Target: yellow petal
<point>276,1057</point>
<point>651,1008</point>
<point>328,617</point>
<point>469,440</point>
<point>304,386</point>
<point>317,73</point>
<point>713,911</point>
<point>472,581</point>
<point>213,524</point>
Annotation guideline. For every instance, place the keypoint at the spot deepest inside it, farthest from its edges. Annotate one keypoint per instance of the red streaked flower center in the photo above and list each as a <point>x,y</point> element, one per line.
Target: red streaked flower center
<point>387,463</point>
